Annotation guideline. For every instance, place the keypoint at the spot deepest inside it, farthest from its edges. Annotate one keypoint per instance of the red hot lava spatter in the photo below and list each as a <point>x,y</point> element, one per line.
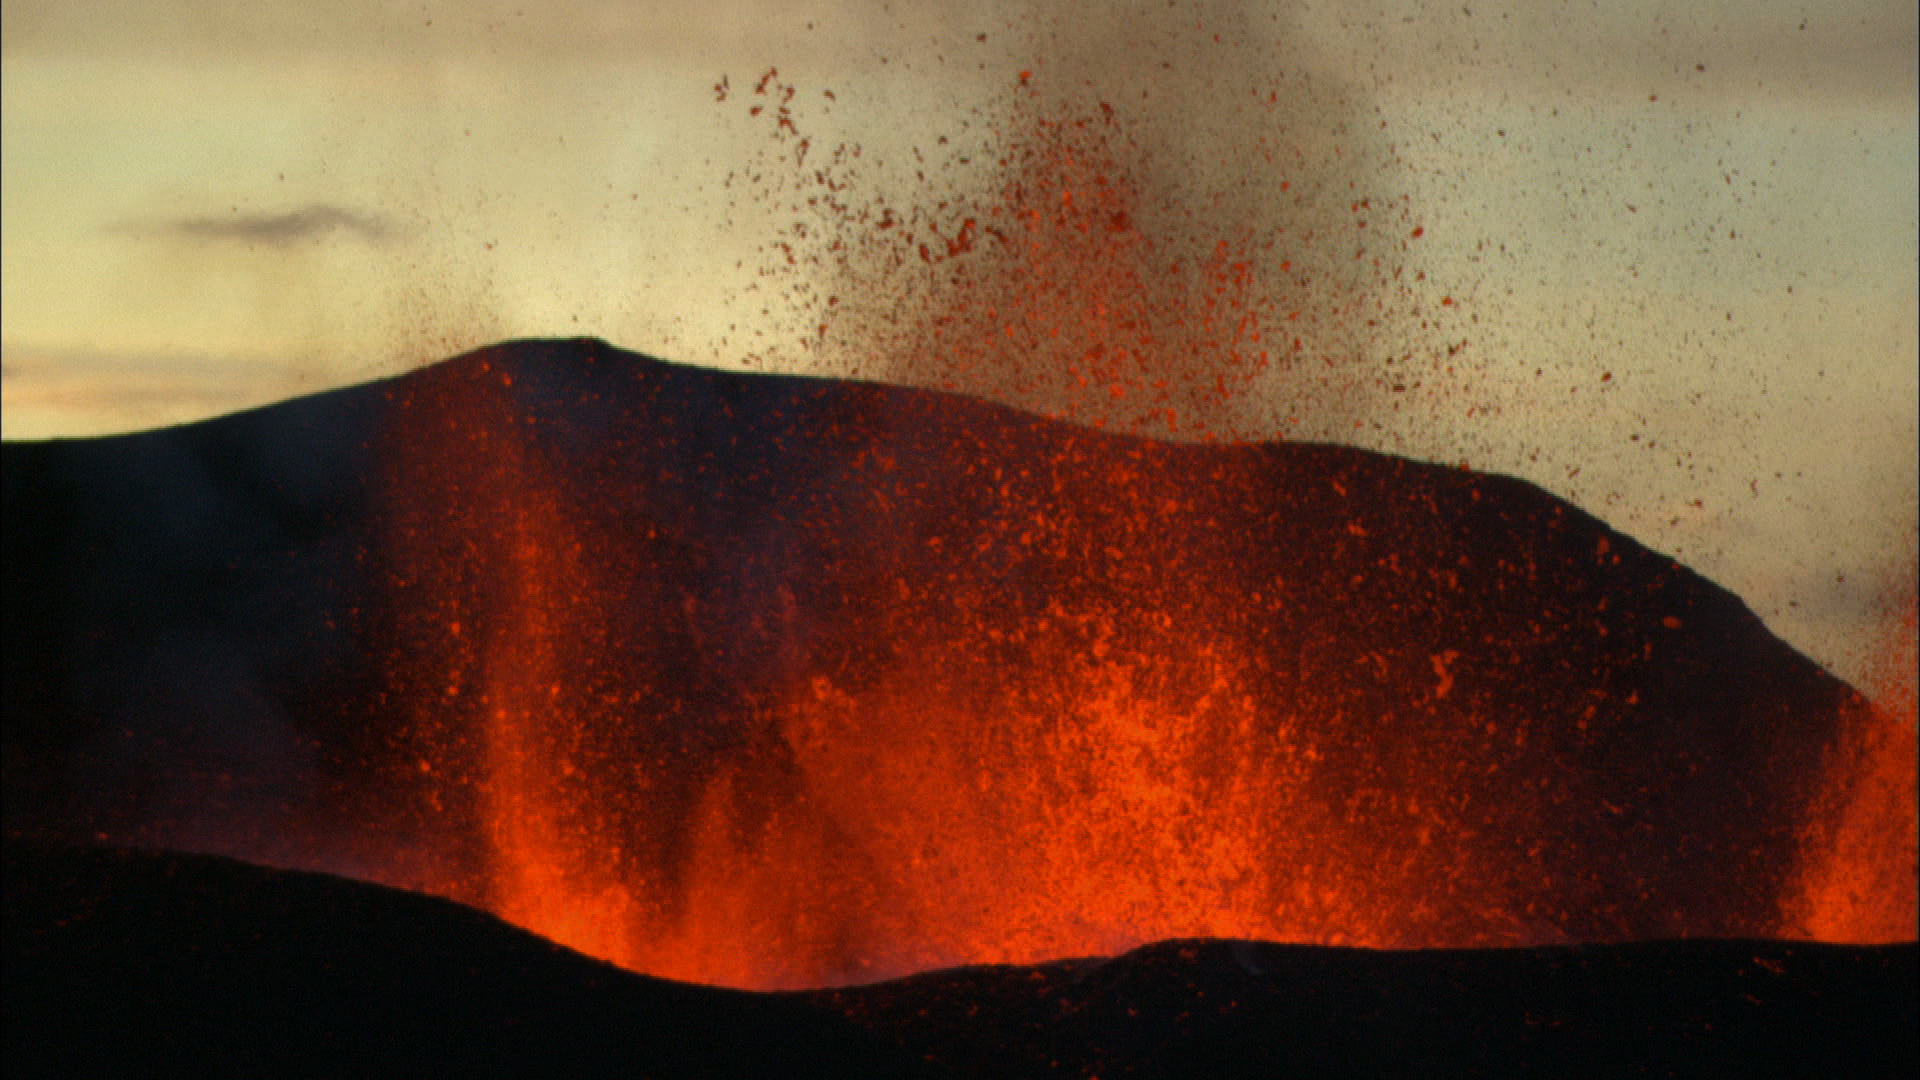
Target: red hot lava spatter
<point>970,687</point>
<point>1051,257</point>
<point>1857,874</point>
<point>1076,779</point>
<point>954,778</point>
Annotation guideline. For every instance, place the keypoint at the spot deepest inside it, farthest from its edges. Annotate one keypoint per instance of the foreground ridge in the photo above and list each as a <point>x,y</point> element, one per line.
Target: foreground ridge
<point>117,959</point>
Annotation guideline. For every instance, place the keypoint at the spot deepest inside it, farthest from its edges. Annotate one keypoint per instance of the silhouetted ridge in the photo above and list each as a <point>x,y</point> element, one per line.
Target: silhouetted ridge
<point>267,635</point>
<point>133,963</point>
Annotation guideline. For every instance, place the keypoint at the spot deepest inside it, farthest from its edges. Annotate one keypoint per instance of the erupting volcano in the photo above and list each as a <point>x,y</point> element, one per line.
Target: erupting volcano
<point>883,680</point>
<point>776,682</point>
<point>772,682</point>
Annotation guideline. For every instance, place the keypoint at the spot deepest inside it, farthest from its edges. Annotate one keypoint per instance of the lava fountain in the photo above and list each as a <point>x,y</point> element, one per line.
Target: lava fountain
<point>780,682</point>
<point>776,682</point>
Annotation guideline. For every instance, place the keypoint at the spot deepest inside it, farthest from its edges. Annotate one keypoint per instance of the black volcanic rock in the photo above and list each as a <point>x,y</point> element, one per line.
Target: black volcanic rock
<point>1246,1009</point>
<point>130,964</point>
<point>139,964</point>
<point>257,635</point>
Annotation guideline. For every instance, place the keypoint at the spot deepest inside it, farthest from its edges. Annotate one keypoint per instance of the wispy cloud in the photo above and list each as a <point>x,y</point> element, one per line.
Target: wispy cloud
<point>313,221</point>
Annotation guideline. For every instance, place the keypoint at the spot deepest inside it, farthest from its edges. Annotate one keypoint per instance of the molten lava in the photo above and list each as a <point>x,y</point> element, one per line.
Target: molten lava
<point>778,682</point>
<point>781,683</point>
<point>1005,785</point>
<point>1863,844</point>
<point>1085,266</point>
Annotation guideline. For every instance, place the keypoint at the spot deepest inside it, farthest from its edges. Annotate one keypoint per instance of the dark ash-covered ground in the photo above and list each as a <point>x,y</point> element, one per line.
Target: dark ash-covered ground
<point>138,964</point>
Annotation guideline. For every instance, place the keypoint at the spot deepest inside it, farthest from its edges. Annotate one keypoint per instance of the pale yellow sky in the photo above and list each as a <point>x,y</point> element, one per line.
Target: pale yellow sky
<point>214,205</point>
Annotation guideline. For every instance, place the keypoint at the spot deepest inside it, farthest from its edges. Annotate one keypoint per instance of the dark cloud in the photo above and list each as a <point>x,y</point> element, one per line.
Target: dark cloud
<point>307,222</point>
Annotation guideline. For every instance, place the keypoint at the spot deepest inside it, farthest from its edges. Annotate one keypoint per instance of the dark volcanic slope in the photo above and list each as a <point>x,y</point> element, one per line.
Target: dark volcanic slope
<point>273,635</point>
<point>130,964</point>
<point>1245,1009</point>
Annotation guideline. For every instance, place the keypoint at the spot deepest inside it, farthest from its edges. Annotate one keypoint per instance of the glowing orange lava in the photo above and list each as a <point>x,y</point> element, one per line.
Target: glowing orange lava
<point>1077,779</point>
<point>981,688</point>
<point>1091,270</point>
<point>1864,844</point>
<point>987,689</point>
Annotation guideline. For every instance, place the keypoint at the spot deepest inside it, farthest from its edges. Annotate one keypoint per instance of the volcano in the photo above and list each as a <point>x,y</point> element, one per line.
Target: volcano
<point>780,682</point>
